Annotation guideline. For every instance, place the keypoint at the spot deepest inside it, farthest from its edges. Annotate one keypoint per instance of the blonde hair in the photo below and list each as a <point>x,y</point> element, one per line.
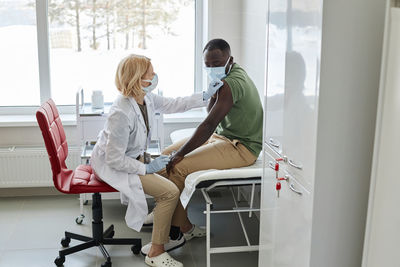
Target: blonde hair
<point>129,73</point>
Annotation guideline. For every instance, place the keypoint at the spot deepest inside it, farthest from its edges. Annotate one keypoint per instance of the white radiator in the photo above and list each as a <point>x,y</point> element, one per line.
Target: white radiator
<point>30,166</point>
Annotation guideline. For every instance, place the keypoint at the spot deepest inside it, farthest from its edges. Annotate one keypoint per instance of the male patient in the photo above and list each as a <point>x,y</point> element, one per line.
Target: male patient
<point>229,137</point>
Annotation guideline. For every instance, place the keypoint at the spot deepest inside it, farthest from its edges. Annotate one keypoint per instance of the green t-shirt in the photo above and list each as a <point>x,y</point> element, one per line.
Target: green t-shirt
<point>244,121</point>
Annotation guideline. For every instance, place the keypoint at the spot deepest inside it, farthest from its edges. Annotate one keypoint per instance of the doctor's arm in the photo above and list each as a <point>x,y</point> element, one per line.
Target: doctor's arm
<point>221,106</point>
<point>117,143</point>
<point>179,104</point>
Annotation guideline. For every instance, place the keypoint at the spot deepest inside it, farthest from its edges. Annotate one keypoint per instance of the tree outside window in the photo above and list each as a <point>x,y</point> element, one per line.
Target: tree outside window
<point>89,38</point>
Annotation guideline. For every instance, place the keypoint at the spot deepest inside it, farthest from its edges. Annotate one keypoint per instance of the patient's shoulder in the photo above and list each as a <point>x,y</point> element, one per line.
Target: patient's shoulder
<point>237,73</point>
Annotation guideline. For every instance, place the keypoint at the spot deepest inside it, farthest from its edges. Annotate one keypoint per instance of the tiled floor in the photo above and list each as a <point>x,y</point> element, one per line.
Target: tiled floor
<point>31,229</point>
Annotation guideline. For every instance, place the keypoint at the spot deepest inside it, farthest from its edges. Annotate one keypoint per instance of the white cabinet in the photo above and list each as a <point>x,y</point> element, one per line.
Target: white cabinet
<point>292,80</point>
<point>285,233</point>
<point>323,66</point>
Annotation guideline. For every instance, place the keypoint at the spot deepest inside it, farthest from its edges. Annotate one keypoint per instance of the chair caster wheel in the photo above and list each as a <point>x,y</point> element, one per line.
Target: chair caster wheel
<point>106,264</point>
<point>59,261</point>
<point>65,242</point>
<point>112,234</point>
<point>136,249</point>
<point>79,219</point>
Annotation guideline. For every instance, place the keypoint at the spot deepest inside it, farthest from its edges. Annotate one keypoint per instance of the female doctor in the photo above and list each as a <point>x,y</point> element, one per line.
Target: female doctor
<point>119,156</point>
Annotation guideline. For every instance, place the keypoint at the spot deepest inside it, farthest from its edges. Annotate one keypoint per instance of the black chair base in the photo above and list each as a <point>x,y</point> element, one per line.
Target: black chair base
<point>99,238</point>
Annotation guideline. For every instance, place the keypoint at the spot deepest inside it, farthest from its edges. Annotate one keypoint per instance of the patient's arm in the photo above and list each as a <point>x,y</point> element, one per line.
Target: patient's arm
<point>219,109</point>
<point>222,106</point>
<point>211,103</point>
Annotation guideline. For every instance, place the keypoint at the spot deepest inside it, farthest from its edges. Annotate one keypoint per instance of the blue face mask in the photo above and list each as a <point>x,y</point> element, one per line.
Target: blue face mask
<point>153,84</point>
<point>218,73</point>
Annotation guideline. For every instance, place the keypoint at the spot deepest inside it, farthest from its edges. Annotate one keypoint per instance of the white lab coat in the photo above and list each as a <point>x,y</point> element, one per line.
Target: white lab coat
<point>123,139</point>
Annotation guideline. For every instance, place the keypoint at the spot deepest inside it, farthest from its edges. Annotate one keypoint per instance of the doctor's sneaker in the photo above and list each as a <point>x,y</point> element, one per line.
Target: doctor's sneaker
<point>171,245</point>
<point>162,260</point>
<point>149,219</point>
<point>196,231</point>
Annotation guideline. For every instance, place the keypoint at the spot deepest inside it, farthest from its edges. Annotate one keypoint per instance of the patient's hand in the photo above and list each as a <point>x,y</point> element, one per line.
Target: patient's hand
<point>175,159</point>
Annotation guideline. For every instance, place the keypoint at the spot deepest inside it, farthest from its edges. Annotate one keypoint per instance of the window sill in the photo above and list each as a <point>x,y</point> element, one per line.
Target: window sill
<point>70,119</point>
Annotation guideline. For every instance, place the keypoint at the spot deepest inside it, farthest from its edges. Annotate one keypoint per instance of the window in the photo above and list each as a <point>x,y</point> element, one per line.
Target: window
<point>19,67</point>
<point>86,40</point>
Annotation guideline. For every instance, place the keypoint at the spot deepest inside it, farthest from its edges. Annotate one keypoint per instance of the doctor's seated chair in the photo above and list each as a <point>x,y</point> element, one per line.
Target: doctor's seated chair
<point>78,181</point>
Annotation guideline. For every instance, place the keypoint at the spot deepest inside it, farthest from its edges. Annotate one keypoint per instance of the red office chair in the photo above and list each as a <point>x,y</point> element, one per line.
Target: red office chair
<point>80,180</point>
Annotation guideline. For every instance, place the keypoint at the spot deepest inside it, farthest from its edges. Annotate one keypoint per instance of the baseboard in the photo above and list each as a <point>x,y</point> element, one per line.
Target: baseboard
<point>29,191</point>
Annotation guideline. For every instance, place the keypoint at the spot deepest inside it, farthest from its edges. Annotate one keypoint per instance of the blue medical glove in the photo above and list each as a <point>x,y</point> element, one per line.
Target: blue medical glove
<point>157,164</point>
<point>212,89</point>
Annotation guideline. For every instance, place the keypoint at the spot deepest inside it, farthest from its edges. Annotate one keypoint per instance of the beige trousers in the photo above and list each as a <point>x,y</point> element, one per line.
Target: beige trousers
<point>217,153</point>
<point>166,195</point>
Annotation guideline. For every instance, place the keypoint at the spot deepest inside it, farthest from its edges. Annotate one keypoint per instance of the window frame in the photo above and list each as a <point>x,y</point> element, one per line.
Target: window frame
<point>42,27</point>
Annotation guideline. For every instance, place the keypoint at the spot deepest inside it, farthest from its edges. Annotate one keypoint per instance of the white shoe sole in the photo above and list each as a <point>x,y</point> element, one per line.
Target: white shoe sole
<point>164,261</point>
<point>171,249</point>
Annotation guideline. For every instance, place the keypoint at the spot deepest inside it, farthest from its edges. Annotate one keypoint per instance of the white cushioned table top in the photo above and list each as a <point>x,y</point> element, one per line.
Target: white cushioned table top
<point>180,134</point>
<point>194,179</point>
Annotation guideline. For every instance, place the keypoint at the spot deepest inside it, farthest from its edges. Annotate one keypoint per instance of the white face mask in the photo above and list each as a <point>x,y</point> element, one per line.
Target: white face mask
<point>218,73</point>
<point>153,84</point>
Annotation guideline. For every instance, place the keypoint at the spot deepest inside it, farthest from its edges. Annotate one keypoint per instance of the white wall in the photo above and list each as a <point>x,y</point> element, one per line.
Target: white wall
<point>351,51</point>
<point>382,232</point>
<point>242,23</point>
<point>225,21</point>
<point>253,40</point>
